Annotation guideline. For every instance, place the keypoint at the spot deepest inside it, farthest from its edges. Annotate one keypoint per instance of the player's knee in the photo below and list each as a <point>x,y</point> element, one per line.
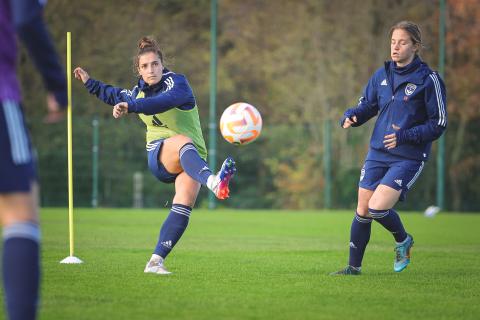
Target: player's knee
<point>362,207</point>
<point>377,204</point>
<point>362,211</point>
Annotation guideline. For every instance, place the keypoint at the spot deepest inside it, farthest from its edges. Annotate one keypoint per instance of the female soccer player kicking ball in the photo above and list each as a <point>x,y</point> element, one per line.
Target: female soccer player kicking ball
<point>410,101</point>
<point>164,101</point>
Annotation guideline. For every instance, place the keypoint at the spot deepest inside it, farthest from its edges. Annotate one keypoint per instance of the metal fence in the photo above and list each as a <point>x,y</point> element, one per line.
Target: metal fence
<point>285,168</point>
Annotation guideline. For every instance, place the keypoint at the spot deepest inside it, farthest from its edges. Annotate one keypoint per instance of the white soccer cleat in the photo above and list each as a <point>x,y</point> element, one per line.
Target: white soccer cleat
<point>156,266</point>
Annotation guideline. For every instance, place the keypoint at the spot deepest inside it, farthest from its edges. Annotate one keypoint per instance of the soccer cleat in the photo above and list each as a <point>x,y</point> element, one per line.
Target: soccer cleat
<point>347,271</point>
<point>222,178</point>
<point>402,254</point>
<point>156,266</point>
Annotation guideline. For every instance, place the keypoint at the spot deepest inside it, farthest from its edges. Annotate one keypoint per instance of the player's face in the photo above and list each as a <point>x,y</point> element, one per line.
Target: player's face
<point>150,68</point>
<point>402,49</point>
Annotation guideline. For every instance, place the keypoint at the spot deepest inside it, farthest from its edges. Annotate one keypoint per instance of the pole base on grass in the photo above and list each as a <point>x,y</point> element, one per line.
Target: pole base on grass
<point>71,260</point>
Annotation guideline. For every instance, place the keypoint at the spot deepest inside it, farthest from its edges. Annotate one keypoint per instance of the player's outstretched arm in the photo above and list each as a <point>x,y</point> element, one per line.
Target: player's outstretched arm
<point>179,95</point>
<point>109,94</point>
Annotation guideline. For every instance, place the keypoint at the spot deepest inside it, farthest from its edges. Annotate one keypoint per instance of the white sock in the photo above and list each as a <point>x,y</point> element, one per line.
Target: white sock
<point>156,257</point>
<point>210,182</point>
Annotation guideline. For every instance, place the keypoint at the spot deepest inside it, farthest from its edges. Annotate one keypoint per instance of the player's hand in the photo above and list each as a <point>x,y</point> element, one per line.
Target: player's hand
<point>120,109</point>
<point>349,121</point>
<point>390,141</point>
<point>55,111</point>
<point>81,74</point>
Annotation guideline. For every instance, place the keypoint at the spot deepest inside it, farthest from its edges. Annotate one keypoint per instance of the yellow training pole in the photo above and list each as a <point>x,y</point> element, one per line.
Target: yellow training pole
<point>71,258</point>
<point>69,125</point>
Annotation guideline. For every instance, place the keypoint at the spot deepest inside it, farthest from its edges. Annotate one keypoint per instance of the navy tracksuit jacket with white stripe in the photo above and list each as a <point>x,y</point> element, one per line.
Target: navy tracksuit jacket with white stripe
<point>411,102</point>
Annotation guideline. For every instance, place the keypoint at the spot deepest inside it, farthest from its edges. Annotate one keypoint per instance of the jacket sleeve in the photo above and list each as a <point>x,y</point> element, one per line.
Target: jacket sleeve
<point>436,105</point>
<point>107,93</point>
<point>179,95</point>
<point>28,20</point>
<point>367,107</point>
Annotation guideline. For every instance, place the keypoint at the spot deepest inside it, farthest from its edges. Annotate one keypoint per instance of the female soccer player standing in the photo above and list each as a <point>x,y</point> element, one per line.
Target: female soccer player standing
<point>164,101</point>
<point>410,101</point>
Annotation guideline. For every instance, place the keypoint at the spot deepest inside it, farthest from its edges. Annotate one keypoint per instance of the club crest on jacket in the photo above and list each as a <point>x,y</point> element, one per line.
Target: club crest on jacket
<point>410,88</point>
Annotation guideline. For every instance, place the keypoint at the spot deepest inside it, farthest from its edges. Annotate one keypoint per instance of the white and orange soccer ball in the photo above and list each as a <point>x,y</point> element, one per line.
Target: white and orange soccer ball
<point>241,123</point>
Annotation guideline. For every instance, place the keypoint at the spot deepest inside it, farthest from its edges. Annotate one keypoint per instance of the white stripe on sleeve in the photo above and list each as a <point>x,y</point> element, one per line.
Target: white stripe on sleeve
<point>441,107</point>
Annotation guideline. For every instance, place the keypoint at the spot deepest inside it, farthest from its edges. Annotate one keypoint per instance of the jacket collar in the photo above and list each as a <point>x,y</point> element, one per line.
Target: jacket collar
<point>143,86</point>
<point>415,72</point>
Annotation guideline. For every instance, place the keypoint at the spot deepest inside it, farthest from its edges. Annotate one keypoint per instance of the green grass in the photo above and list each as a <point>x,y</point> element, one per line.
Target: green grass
<point>256,265</point>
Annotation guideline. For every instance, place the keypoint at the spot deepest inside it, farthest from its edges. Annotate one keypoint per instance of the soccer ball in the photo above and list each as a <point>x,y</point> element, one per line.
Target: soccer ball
<point>241,123</point>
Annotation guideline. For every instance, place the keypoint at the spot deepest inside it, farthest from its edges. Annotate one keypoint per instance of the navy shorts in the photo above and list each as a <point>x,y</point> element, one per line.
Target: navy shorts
<point>397,174</point>
<point>17,162</point>
<point>156,168</point>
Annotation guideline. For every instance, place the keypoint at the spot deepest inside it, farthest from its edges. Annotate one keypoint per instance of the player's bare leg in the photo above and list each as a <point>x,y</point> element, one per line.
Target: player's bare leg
<point>364,196</point>
<point>19,207</point>
<point>21,241</point>
<point>170,154</point>
<point>384,197</point>
<point>179,154</point>
<point>380,207</point>
<point>186,192</point>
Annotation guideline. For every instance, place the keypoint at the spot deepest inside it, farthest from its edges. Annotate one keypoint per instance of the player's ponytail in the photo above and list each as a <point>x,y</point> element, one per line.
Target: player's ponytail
<point>146,44</point>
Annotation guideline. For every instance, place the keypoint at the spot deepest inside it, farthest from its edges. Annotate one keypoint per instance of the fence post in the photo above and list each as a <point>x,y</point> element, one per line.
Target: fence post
<point>95,135</point>
<point>212,126</point>
<point>441,141</point>
<point>138,189</point>
<point>327,163</point>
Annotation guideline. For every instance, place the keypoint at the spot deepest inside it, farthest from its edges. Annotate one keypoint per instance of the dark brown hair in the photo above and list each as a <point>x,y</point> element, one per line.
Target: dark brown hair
<point>146,44</point>
<point>412,29</point>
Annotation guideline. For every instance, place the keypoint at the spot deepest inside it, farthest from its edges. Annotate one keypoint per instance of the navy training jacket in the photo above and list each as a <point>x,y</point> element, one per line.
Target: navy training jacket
<point>172,91</point>
<point>411,102</point>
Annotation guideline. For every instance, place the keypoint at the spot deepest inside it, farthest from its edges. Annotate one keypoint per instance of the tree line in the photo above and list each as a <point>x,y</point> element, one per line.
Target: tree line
<point>301,63</point>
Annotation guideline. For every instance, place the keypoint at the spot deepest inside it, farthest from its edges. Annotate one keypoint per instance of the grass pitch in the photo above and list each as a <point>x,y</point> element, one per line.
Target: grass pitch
<point>256,265</point>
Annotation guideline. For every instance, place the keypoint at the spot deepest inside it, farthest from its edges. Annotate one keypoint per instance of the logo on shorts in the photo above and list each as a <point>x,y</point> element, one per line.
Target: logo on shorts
<point>398,181</point>
<point>410,88</point>
<point>362,173</point>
